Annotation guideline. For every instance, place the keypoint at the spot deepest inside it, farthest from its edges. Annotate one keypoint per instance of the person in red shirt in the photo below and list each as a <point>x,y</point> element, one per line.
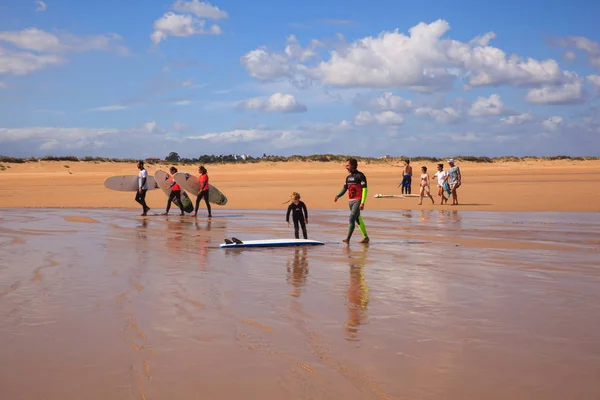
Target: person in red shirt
<point>356,186</point>
<point>203,191</point>
<point>175,193</point>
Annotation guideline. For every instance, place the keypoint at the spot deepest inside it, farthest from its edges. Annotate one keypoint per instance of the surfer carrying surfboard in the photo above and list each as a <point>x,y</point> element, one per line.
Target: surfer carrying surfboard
<point>140,195</point>
<point>203,194</point>
<point>175,193</point>
<point>356,185</point>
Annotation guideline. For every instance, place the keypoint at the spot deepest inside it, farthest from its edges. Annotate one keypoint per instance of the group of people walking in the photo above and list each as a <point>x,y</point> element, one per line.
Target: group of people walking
<point>447,182</point>
<point>355,185</point>
<point>175,195</point>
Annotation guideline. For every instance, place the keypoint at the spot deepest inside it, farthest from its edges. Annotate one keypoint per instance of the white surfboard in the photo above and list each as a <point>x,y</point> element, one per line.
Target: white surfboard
<point>128,183</point>
<point>164,181</point>
<point>191,183</point>
<point>272,243</point>
<point>385,196</point>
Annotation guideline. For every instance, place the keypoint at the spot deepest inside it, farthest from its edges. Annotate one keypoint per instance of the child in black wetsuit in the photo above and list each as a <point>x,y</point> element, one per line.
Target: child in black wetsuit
<point>299,215</point>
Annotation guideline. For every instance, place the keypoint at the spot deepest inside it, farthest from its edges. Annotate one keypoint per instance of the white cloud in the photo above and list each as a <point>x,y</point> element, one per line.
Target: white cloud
<point>186,83</point>
<point>58,139</point>
<point>383,118</point>
<point>553,123</point>
<point>199,9</point>
<point>115,107</point>
<point>422,61</point>
<point>41,6</point>
<point>172,24</point>
<point>589,47</point>
<point>446,115</point>
<point>43,49</point>
<point>40,41</point>
<point>517,119</point>
<point>595,79</point>
<point>570,55</point>
<point>387,101</point>
<point>278,102</point>
<point>569,93</point>
<point>186,21</point>
<point>483,107</point>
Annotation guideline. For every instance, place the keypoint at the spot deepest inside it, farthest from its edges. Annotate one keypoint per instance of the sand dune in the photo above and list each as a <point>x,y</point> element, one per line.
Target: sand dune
<point>538,185</point>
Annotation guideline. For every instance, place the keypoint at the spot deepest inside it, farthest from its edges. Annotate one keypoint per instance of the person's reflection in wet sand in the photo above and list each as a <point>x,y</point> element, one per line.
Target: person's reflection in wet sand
<point>358,293</point>
<point>297,271</point>
<point>142,232</point>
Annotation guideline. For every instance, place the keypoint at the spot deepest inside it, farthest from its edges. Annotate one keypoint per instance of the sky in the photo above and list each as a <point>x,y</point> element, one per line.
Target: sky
<point>429,78</point>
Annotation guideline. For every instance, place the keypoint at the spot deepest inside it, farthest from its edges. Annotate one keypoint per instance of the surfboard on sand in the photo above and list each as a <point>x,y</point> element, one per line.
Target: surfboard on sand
<point>128,183</point>
<point>236,243</point>
<point>164,181</point>
<point>191,183</point>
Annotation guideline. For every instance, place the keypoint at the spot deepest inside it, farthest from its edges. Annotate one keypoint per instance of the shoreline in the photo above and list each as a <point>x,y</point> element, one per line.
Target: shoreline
<point>524,186</point>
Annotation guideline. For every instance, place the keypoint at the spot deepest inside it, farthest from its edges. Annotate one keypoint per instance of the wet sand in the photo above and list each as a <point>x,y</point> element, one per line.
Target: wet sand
<point>537,185</point>
<point>452,304</point>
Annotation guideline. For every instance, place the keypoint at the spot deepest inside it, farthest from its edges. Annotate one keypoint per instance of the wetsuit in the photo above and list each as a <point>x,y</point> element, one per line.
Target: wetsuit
<point>143,185</point>
<point>175,195</point>
<point>356,185</point>
<point>203,194</point>
<point>299,216</point>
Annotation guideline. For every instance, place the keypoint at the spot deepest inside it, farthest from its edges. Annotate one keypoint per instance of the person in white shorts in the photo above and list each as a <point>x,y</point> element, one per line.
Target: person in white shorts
<point>441,176</point>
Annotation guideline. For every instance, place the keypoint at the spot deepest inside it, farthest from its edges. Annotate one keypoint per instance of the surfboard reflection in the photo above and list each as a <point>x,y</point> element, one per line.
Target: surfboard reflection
<point>358,293</point>
<point>297,271</point>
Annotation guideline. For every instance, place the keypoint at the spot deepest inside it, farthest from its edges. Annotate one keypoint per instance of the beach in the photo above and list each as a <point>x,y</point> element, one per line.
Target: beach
<point>496,298</point>
<point>537,185</point>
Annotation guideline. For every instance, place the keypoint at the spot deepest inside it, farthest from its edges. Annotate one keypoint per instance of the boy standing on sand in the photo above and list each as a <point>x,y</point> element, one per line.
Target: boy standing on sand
<point>299,215</point>
<point>356,185</point>
<point>140,195</point>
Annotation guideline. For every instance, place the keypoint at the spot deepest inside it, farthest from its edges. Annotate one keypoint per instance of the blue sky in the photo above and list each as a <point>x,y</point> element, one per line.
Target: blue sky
<point>437,78</point>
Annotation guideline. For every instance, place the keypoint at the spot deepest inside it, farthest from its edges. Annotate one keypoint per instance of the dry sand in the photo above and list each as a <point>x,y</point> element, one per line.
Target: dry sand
<point>538,185</point>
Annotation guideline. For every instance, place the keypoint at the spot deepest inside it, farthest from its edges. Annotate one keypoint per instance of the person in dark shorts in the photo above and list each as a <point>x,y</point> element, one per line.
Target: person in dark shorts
<point>175,193</point>
<point>406,178</point>
<point>356,185</point>
<point>140,195</point>
<point>299,215</point>
<point>203,191</point>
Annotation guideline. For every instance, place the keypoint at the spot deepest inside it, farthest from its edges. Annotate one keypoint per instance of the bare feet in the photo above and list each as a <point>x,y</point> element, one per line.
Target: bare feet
<point>365,240</point>
<point>346,240</point>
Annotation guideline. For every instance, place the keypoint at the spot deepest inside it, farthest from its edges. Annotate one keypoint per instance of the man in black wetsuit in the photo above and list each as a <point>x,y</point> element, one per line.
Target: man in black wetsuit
<point>356,185</point>
<point>299,215</point>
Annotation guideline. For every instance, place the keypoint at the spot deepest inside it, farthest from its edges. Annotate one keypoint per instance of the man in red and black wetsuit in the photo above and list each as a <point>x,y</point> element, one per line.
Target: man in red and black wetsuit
<point>356,185</point>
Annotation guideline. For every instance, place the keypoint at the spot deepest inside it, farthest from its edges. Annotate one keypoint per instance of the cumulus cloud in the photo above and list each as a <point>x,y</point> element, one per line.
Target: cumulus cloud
<point>278,102</point>
<point>517,119</point>
<point>423,61</point>
<point>446,115</point>
<point>483,107</point>
<point>569,93</point>
<point>187,18</point>
<point>38,49</point>
<point>199,9</point>
<point>388,102</point>
<point>553,123</point>
<point>383,118</point>
<point>41,6</point>
<point>589,47</point>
